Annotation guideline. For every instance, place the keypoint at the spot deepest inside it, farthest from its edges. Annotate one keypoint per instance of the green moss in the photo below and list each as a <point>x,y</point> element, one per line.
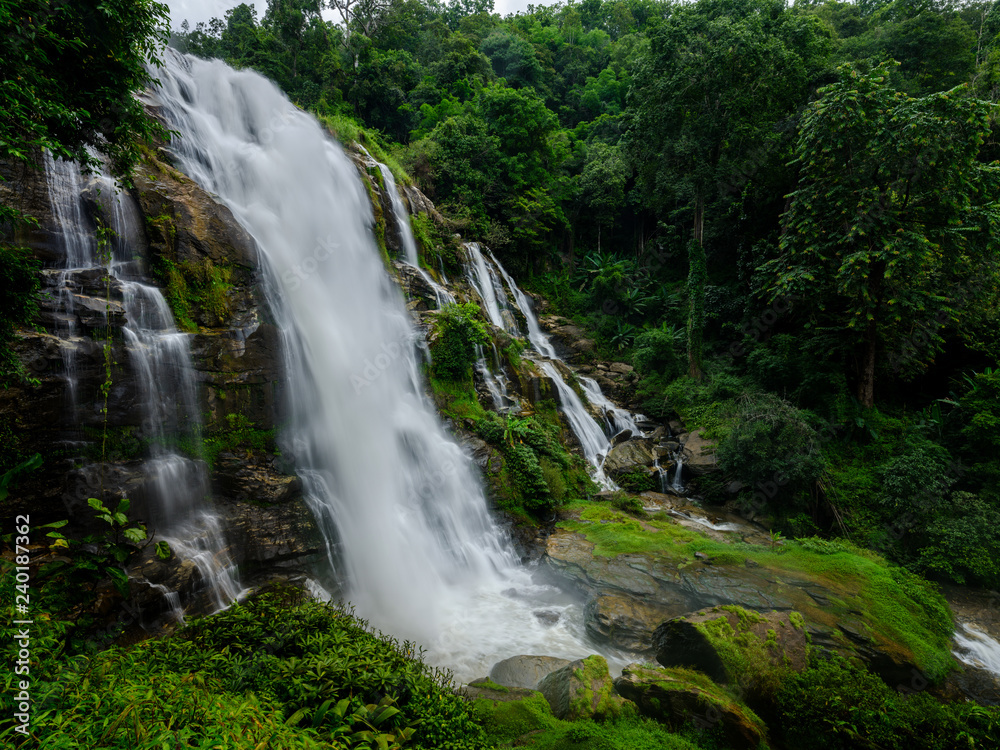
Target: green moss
<point>756,666</point>
<point>371,185</point>
<point>529,723</point>
<point>195,291</point>
<point>456,399</point>
<point>597,697</point>
<point>506,721</point>
<point>906,615</point>
<point>240,435</point>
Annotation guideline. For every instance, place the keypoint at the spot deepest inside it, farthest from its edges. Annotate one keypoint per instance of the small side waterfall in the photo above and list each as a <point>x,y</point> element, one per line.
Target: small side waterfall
<point>593,441</point>
<point>492,283</point>
<point>489,287</point>
<point>977,649</point>
<point>410,253</point>
<point>411,542</point>
<point>495,382</point>
<point>159,356</point>
<point>620,419</point>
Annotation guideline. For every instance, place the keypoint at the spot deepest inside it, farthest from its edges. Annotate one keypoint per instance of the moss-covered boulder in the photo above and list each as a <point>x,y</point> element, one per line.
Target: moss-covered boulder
<point>679,696</point>
<point>752,651</point>
<point>582,689</point>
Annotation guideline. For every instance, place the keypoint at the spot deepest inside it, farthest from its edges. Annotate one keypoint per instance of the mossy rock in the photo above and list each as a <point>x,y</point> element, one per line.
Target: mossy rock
<point>678,697</point>
<point>582,689</point>
<point>752,651</point>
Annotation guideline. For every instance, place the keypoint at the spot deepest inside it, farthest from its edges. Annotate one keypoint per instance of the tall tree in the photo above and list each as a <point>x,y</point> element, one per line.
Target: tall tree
<point>893,219</point>
<point>68,75</point>
<point>720,74</point>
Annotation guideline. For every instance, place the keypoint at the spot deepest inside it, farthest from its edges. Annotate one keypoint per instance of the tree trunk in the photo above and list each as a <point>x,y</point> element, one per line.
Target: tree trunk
<point>866,384</point>
<point>866,381</point>
<point>697,273</point>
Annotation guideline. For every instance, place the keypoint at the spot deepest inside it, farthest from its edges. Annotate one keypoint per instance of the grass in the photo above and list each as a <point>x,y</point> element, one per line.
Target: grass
<point>905,614</point>
<point>347,129</point>
<point>530,723</point>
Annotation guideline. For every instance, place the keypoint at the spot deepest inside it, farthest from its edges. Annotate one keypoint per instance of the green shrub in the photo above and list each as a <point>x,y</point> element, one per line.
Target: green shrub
<point>655,351</point>
<point>836,705</point>
<point>637,480</point>
<point>305,675</point>
<point>628,503</point>
<point>772,445</point>
<point>19,285</point>
<point>459,329</point>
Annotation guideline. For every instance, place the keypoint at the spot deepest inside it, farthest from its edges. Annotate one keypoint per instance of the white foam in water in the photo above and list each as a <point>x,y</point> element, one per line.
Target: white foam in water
<point>977,649</point>
<point>405,518</point>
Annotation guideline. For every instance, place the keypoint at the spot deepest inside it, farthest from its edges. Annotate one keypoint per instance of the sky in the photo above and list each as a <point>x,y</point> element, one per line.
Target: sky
<point>202,10</point>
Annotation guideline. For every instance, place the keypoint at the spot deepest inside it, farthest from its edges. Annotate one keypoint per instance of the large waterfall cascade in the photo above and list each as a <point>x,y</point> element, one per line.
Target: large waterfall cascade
<point>410,537</point>
<point>175,484</point>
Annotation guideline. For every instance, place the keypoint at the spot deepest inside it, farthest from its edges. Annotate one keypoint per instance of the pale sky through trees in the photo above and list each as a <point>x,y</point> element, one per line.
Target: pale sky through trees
<point>202,10</point>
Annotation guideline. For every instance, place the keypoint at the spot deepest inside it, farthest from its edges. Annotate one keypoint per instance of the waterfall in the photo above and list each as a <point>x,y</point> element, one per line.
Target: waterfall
<point>619,418</point>
<point>160,360</point>
<point>489,278</point>
<point>489,287</point>
<point>977,649</point>
<point>410,255</point>
<point>593,441</point>
<point>411,542</point>
<point>496,383</point>
<point>678,484</point>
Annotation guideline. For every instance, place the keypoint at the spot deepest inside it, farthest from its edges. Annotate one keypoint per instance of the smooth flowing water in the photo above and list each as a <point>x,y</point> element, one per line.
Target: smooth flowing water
<point>977,649</point>
<point>160,361</point>
<point>492,282</point>
<point>411,542</point>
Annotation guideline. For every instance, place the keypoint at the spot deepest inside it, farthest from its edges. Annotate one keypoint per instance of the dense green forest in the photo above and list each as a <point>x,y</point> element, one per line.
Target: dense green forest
<point>784,217</point>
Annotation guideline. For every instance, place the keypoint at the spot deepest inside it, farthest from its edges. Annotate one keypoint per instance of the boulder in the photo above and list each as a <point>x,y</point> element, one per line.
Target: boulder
<point>630,455</point>
<point>731,645</point>
<point>678,697</point>
<point>525,671</point>
<point>582,689</point>
<point>624,622</point>
<point>699,454</point>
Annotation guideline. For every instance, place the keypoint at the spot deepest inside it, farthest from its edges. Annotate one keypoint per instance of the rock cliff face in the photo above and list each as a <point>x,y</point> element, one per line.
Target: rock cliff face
<point>191,247</point>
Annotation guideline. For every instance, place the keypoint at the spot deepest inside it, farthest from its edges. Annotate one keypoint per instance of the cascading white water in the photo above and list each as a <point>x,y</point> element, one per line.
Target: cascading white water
<point>977,649</point>
<point>407,524</point>
<point>410,252</point>
<point>538,339</point>
<point>593,441</point>
<point>488,277</point>
<point>619,418</point>
<point>490,289</point>
<point>496,383</point>
<point>677,485</point>
<point>161,363</point>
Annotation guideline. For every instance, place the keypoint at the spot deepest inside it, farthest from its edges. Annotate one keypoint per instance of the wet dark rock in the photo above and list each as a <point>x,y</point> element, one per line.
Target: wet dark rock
<point>525,671</point>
